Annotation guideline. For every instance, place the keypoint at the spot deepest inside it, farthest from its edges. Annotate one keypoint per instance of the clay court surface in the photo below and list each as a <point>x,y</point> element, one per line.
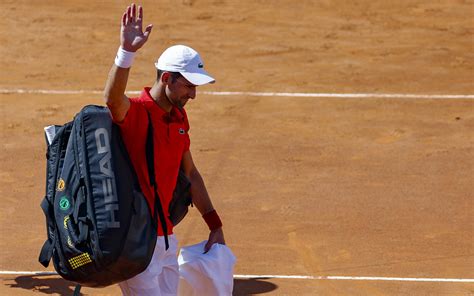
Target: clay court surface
<point>306,186</point>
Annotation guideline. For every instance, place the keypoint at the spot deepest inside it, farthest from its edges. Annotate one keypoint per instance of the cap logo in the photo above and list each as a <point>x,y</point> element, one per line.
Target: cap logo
<point>200,65</point>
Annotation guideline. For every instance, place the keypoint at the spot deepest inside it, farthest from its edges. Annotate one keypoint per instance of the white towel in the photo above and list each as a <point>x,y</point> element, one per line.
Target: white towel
<point>206,274</point>
<point>50,131</point>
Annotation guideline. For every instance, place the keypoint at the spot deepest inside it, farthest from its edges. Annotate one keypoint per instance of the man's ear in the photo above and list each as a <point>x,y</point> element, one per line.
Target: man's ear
<point>165,78</point>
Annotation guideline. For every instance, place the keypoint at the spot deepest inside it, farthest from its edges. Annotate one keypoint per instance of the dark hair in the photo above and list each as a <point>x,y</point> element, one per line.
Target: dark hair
<point>174,75</point>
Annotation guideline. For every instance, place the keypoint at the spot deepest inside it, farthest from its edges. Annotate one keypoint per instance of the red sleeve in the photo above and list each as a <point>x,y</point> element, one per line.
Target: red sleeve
<point>134,127</point>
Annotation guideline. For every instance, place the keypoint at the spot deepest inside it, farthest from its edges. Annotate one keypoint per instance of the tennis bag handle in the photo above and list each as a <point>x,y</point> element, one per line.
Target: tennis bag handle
<point>182,199</point>
<point>150,159</point>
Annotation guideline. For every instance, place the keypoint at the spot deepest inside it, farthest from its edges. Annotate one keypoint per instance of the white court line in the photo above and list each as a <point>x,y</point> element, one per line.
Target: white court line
<point>10,272</point>
<point>255,94</point>
<point>354,278</point>
<point>339,95</point>
<point>299,277</point>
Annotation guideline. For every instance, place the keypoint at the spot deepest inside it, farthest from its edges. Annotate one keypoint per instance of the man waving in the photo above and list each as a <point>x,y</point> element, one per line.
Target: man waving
<point>180,70</point>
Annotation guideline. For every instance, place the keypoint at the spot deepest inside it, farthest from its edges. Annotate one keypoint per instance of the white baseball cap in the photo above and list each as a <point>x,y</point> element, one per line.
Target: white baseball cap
<point>185,60</point>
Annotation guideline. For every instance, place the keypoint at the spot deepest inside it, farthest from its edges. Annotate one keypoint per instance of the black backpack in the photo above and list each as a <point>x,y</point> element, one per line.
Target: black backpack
<point>100,229</point>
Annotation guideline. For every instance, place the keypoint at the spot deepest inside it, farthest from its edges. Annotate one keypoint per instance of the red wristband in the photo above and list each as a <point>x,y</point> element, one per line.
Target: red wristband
<point>212,220</point>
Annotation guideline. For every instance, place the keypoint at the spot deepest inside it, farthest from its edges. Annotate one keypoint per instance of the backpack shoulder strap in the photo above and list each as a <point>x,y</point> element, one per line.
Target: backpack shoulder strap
<point>150,159</point>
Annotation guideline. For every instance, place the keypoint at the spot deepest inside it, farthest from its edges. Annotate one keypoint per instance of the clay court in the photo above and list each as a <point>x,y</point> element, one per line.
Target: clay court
<point>365,193</point>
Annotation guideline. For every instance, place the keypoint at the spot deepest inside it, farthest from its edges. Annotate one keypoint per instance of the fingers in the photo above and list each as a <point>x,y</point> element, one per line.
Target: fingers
<point>129,15</point>
<point>124,19</point>
<point>207,247</point>
<point>140,13</point>
<point>134,11</point>
<point>148,30</point>
<point>132,15</point>
<point>140,17</point>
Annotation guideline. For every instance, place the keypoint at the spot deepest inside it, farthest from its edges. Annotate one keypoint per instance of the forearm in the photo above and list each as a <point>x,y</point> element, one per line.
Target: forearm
<point>114,92</point>
<point>202,201</point>
<point>201,198</point>
<point>116,85</point>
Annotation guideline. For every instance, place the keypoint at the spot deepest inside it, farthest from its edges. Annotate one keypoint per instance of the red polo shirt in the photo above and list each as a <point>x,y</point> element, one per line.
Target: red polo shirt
<point>171,141</point>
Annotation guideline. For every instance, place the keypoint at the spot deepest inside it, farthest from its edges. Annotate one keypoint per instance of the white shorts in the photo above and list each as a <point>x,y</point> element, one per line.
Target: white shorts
<point>161,277</point>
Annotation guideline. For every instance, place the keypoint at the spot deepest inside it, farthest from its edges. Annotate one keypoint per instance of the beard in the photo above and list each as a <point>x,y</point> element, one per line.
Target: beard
<point>177,102</point>
<point>181,102</point>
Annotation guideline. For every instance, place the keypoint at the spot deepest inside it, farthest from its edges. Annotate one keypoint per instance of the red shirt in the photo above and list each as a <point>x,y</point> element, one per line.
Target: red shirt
<point>171,141</point>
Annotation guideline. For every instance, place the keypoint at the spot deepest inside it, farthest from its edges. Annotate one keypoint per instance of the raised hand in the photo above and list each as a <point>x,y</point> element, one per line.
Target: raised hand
<point>132,36</point>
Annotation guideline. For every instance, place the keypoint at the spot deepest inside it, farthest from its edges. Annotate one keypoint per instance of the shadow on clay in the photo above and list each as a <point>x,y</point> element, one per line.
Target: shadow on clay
<point>44,284</point>
<point>57,285</point>
<point>252,286</point>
